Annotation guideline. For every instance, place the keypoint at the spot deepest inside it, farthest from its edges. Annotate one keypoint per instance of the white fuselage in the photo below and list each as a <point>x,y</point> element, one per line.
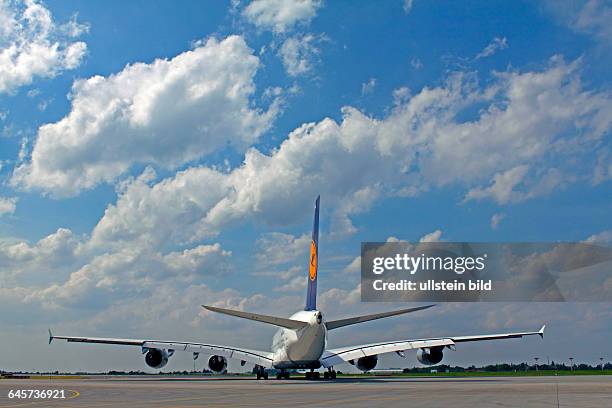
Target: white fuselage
<point>301,348</point>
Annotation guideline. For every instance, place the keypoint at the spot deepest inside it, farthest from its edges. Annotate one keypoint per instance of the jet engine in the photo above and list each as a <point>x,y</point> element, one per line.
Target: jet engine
<point>217,364</point>
<point>156,358</point>
<point>367,363</point>
<point>430,356</point>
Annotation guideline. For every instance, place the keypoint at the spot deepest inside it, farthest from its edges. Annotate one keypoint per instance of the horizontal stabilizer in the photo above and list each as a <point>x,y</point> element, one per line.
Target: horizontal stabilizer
<point>334,324</point>
<point>276,321</point>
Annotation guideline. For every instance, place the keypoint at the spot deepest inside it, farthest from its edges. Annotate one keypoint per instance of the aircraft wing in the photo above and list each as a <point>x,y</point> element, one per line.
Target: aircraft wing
<point>345,354</point>
<point>261,358</point>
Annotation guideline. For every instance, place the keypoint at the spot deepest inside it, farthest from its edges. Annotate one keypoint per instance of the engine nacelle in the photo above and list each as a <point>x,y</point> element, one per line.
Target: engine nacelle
<point>367,363</point>
<point>430,356</point>
<point>217,364</point>
<point>156,358</point>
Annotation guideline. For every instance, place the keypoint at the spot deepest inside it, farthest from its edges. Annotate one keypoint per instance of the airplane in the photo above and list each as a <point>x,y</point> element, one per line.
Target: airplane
<point>301,342</point>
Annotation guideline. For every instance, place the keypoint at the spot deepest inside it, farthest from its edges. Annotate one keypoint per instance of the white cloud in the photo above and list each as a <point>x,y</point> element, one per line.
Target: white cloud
<point>408,6</point>
<point>354,266</point>
<point>299,54</point>
<point>276,248</point>
<point>591,17</point>
<point>168,112</point>
<point>435,236</point>
<point>416,63</point>
<point>368,87</point>
<point>505,186</point>
<point>603,169</point>
<point>604,237</point>
<point>33,45</point>
<point>281,15</point>
<point>42,263</point>
<point>132,271</point>
<point>539,116</point>
<point>594,18</point>
<point>297,283</point>
<point>498,44</point>
<point>496,219</point>
<point>502,189</point>
<point>8,205</point>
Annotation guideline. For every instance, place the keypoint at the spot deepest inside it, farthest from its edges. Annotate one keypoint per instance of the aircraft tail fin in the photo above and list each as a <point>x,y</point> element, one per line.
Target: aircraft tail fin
<point>311,291</point>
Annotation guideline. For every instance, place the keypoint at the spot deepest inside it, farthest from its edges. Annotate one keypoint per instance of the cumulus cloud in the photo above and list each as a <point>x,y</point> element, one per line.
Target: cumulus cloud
<point>297,283</point>
<point>167,113</point>
<point>8,205</point>
<point>354,266</point>
<point>276,248</point>
<point>33,45</point>
<point>604,237</point>
<point>539,116</point>
<point>281,15</point>
<point>132,272</point>
<point>435,236</point>
<point>299,54</point>
<point>66,271</point>
<point>502,188</point>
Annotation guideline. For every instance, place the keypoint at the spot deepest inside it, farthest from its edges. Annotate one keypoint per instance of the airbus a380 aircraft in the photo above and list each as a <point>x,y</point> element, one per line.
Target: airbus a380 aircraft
<point>301,342</point>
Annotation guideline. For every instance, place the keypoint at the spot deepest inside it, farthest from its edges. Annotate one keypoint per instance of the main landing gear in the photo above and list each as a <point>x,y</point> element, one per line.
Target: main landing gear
<point>312,375</point>
<point>282,374</point>
<point>330,374</point>
<point>261,373</point>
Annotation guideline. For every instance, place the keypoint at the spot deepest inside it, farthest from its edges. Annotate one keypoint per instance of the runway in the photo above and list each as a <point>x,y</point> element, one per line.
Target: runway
<point>91,392</point>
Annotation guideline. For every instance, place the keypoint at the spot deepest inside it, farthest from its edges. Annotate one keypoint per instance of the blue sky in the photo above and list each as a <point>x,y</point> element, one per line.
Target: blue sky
<point>155,157</point>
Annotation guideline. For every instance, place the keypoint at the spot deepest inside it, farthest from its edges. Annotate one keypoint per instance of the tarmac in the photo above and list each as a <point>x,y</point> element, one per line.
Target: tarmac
<point>98,391</point>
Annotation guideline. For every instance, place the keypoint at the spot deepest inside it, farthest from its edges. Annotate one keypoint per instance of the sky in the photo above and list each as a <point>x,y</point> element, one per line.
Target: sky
<point>157,156</point>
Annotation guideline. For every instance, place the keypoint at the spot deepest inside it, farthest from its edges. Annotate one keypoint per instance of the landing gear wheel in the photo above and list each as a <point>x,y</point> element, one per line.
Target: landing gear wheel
<point>316,375</point>
<point>286,375</point>
<point>308,375</point>
<point>326,375</point>
<point>279,376</point>
<point>265,376</point>
<point>258,376</point>
<point>333,375</point>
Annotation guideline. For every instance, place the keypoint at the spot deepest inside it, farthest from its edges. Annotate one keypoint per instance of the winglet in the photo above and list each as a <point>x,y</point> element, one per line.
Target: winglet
<point>541,332</point>
<point>50,336</point>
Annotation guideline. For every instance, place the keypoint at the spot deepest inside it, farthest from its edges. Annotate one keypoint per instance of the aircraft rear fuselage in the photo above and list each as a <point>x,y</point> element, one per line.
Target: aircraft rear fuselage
<point>301,348</point>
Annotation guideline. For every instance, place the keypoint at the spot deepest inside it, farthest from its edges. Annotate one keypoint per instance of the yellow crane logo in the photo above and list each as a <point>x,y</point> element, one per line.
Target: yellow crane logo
<point>313,261</point>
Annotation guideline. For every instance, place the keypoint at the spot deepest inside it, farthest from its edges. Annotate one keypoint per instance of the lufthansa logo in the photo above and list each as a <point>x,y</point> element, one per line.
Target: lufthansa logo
<point>313,261</point>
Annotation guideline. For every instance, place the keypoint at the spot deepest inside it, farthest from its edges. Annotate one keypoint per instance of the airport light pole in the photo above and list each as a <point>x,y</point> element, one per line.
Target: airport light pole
<point>571,359</point>
<point>601,359</point>
<point>536,362</point>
